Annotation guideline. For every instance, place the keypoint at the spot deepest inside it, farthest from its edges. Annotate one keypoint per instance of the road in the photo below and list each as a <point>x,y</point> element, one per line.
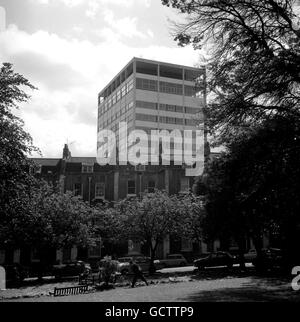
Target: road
<point>188,269</point>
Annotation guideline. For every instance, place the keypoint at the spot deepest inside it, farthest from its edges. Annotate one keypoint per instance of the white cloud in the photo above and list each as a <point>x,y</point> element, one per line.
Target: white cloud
<point>93,3</point>
<point>69,3</point>
<point>69,74</point>
<point>72,3</point>
<point>123,3</point>
<point>2,19</point>
<point>77,29</point>
<point>93,7</point>
<point>41,1</point>
<point>124,27</point>
<point>51,135</point>
<point>150,33</point>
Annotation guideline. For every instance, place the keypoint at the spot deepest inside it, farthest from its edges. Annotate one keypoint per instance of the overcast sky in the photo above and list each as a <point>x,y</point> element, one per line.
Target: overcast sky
<point>70,49</point>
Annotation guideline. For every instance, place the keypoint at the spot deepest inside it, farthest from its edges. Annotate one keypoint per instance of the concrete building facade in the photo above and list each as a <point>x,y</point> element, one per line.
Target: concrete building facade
<point>150,95</point>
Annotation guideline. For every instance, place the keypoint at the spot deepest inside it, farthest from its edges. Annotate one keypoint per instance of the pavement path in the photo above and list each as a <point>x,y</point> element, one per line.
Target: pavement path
<point>241,289</point>
<point>189,269</point>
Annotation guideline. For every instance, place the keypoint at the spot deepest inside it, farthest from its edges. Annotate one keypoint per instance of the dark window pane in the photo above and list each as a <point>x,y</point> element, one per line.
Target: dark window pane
<point>171,72</point>
<point>146,68</point>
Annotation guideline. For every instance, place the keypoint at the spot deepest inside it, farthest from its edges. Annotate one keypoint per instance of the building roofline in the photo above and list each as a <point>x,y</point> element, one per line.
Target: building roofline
<point>43,161</point>
<point>135,59</point>
<point>167,64</point>
<point>44,158</point>
<point>119,73</point>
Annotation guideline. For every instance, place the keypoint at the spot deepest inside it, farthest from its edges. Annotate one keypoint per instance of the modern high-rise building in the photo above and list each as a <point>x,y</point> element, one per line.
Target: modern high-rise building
<point>152,95</point>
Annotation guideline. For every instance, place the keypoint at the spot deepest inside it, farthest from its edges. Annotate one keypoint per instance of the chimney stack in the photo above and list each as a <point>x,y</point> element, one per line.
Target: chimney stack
<point>66,153</point>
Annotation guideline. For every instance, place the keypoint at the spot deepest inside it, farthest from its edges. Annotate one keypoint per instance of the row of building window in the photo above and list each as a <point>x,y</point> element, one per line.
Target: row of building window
<point>165,87</point>
<point>119,115</point>
<point>171,108</point>
<point>99,190</point>
<point>165,119</point>
<point>37,169</point>
<point>117,95</point>
<point>115,128</point>
<point>118,81</point>
<point>151,186</point>
<point>167,107</point>
<point>146,105</point>
<point>122,110</point>
<point>113,124</point>
<point>87,168</point>
<point>171,120</point>
<point>169,71</point>
<point>170,88</point>
<point>146,84</point>
<point>131,188</point>
<point>146,117</point>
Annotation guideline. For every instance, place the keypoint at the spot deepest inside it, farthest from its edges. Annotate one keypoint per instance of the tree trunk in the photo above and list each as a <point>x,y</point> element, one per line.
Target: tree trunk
<point>258,244</point>
<point>257,240</point>
<point>152,258</point>
<point>241,258</point>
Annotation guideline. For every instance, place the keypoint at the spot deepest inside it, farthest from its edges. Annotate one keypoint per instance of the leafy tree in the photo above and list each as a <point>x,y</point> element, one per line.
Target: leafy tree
<point>253,81</point>
<point>15,145</point>
<point>151,219</point>
<point>49,220</point>
<point>254,60</point>
<point>107,225</point>
<point>193,213</point>
<point>32,213</point>
<point>252,189</point>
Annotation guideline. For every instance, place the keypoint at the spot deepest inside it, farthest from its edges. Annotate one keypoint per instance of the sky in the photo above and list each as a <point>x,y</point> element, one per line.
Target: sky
<point>69,50</point>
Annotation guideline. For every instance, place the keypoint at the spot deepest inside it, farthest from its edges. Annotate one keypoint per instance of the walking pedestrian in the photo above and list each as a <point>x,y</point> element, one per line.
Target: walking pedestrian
<point>137,273</point>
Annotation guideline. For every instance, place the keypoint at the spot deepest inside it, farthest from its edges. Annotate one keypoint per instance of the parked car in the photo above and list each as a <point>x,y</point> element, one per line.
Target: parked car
<point>250,256</point>
<point>269,258</point>
<point>71,269</point>
<point>173,260</point>
<point>142,261</point>
<point>214,259</point>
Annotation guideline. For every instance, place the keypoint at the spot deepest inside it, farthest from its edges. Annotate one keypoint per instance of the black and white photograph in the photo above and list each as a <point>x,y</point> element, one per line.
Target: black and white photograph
<point>149,154</point>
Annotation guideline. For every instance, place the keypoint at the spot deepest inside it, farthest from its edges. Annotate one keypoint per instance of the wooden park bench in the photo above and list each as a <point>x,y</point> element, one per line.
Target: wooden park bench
<point>74,290</point>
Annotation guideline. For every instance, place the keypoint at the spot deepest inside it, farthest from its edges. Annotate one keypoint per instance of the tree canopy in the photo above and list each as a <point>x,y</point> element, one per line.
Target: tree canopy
<point>253,187</point>
<point>15,142</point>
<point>46,218</point>
<point>32,213</point>
<point>254,65</point>
<point>156,216</point>
<point>253,111</point>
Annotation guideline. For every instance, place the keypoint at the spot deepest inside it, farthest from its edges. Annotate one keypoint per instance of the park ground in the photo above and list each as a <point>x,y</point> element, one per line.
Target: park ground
<point>213,285</point>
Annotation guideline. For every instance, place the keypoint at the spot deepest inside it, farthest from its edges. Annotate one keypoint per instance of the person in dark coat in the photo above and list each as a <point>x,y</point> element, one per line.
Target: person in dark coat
<point>137,273</point>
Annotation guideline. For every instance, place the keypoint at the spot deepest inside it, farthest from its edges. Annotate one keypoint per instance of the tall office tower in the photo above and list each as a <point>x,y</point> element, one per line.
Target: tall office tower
<point>151,95</point>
